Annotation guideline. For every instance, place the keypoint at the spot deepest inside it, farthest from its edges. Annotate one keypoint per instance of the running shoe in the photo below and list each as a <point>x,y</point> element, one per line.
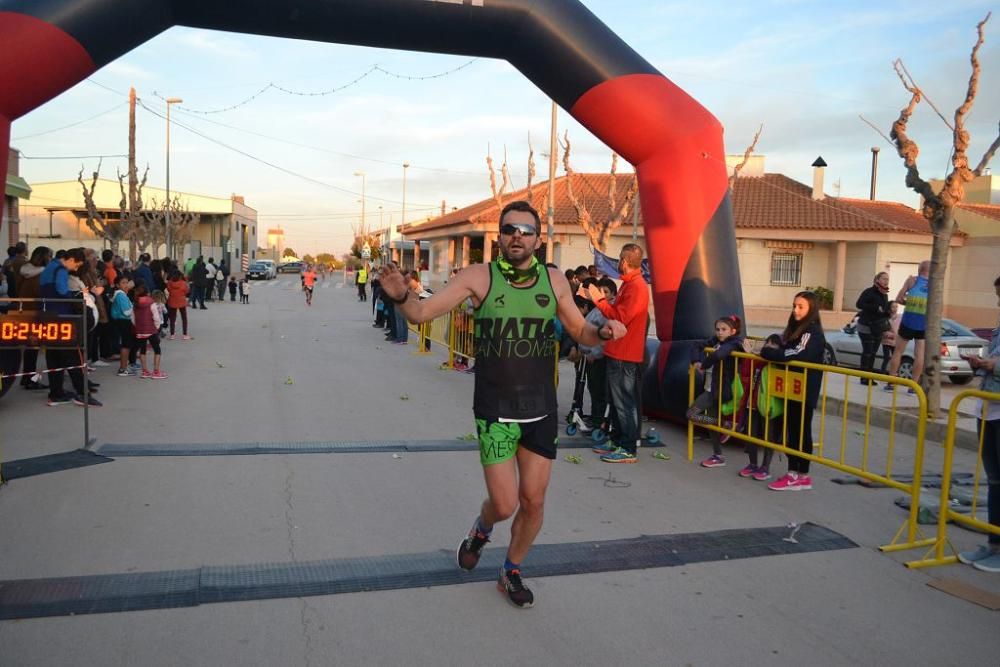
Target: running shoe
<point>59,400</point>
<point>761,474</point>
<point>605,447</point>
<point>748,470</point>
<point>34,385</point>
<point>790,483</point>
<point>513,587</point>
<point>989,564</point>
<point>171,336</point>
<point>714,461</point>
<point>125,372</point>
<point>159,375</point>
<point>90,400</point>
<point>146,375</point>
<point>888,386</point>
<point>100,363</point>
<point>620,455</point>
<point>186,337</point>
<point>471,549</point>
<point>979,553</point>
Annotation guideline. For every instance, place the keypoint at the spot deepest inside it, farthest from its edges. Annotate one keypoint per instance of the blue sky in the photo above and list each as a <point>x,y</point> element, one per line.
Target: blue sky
<point>804,69</point>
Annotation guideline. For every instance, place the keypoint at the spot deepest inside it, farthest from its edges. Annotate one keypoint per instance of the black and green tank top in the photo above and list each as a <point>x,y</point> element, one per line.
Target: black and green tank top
<point>515,349</point>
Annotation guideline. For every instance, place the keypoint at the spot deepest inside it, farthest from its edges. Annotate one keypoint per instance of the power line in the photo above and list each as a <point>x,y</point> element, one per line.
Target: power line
<point>108,88</point>
<point>79,122</point>
<point>265,162</point>
<point>323,93</point>
<point>330,151</point>
<point>67,157</point>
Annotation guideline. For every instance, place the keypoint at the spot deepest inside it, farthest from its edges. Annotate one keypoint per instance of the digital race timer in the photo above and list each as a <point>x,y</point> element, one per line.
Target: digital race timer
<point>39,329</point>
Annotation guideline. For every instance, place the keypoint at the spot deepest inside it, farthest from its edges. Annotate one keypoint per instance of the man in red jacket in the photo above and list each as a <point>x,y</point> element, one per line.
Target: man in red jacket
<point>624,355</point>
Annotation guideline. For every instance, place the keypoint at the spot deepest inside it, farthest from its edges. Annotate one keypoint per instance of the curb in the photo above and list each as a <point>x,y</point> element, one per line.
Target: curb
<point>935,431</point>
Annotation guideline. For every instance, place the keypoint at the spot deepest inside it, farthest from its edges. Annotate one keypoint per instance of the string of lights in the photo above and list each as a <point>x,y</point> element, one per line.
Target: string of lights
<point>323,93</point>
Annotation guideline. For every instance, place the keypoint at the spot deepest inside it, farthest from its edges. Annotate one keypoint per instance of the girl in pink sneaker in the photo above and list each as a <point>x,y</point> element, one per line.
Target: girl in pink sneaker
<point>802,340</point>
<point>147,331</point>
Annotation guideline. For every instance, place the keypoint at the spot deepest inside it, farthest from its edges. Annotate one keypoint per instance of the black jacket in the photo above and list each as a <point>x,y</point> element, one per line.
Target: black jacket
<point>720,356</point>
<point>809,348</point>
<point>873,304</point>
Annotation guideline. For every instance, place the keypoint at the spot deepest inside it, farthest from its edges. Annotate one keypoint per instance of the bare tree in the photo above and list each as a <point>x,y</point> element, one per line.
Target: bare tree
<point>100,223</point>
<point>598,231</point>
<point>746,156</point>
<point>939,207</point>
<point>498,195</point>
<point>137,224</point>
<point>153,223</point>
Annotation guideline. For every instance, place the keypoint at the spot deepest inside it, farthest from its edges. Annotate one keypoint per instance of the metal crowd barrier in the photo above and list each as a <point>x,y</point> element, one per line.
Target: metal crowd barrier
<point>12,325</point>
<point>788,384</point>
<point>936,554</point>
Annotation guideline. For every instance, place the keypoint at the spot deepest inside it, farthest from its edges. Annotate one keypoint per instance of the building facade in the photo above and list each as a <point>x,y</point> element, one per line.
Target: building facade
<point>15,189</point>
<point>57,217</point>
<point>790,236</point>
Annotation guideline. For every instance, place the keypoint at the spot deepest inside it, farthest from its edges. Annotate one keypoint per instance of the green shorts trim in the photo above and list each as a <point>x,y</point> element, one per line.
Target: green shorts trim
<point>498,441</point>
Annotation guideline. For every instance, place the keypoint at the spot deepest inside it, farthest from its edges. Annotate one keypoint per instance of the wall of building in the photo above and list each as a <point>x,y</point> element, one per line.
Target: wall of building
<point>970,297</point>
<point>755,272</point>
<point>861,267</point>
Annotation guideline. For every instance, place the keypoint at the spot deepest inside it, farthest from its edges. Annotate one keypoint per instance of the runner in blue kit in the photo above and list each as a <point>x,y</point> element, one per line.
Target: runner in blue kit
<point>913,325</point>
<point>516,300</point>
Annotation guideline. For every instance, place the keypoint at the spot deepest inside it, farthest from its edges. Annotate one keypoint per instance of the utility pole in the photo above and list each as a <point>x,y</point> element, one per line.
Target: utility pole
<point>551,213</point>
<point>170,236</point>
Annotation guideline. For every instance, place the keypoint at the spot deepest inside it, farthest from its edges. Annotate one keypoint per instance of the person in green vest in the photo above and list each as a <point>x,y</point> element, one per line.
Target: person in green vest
<point>361,280</point>
<point>516,301</point>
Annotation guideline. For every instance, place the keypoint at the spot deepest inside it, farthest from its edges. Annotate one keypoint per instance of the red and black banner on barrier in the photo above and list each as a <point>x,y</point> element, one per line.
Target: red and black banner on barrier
<point>47,46</point>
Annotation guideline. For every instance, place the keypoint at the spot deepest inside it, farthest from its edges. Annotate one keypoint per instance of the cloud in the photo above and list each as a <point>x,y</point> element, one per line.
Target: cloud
<point>127,71</point>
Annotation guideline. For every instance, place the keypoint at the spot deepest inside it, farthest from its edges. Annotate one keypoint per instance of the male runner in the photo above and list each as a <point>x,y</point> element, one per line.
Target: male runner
<point>308,280</point>
<point>516,300</point>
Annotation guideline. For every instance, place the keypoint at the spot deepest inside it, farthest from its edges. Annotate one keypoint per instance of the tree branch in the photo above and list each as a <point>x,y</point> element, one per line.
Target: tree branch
<point>875,127</point>
<point>746,156</point>
<point>954,185</point>
<point>907,148</point>
<point>938,112</point>
<point>583,216</point>
<point>987,156</point>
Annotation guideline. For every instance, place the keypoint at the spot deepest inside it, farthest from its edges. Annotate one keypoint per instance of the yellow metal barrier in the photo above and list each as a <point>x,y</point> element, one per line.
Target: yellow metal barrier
<point>789,383</point>
<point>945,512</point>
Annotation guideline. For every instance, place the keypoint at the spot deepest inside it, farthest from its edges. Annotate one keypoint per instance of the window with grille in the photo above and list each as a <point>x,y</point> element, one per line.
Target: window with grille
<point>786,269</point>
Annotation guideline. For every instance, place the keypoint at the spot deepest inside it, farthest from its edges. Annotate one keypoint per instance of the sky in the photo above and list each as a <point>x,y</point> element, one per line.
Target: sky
<point>806,70</point>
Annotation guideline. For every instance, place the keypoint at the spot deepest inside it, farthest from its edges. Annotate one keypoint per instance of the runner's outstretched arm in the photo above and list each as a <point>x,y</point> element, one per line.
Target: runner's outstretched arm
<point>473,281</point>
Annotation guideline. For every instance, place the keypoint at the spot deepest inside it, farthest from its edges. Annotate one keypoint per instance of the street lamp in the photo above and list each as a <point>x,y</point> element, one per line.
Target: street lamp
<point>169,100</point>
<point>363,181</point>
<point>406,165</point>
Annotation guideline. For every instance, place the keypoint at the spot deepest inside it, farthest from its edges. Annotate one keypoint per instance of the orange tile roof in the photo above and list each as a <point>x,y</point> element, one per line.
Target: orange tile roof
<point>987,210</point>
<point>774,201</point>
<point>771,201</point>
<point>590,189</point>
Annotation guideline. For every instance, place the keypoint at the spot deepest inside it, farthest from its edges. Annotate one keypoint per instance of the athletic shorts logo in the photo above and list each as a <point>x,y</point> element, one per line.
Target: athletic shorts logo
<point>542,300</point>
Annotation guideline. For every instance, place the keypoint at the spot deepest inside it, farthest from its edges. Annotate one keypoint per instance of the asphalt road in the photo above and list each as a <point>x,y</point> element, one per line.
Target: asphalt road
<point>276,370</point>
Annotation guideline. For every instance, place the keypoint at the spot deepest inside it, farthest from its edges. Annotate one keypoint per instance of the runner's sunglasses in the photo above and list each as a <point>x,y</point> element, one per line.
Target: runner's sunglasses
<point>525,229</point>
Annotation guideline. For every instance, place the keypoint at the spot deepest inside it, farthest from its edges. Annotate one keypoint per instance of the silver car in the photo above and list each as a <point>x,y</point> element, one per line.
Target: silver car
<point>844,348</point>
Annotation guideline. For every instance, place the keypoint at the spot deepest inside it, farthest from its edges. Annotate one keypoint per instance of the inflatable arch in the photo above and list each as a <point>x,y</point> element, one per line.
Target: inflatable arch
<point>47,46</point>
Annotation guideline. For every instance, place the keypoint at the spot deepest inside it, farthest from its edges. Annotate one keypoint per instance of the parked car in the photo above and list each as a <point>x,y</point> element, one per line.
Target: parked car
<point>259,271</point>
<point>843,348</point>
<point>291,267</point>
<point>272,268</point>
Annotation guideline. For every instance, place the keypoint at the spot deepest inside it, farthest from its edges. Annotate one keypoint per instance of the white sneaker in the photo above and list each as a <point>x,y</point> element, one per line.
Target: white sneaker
<point>101,363</point>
